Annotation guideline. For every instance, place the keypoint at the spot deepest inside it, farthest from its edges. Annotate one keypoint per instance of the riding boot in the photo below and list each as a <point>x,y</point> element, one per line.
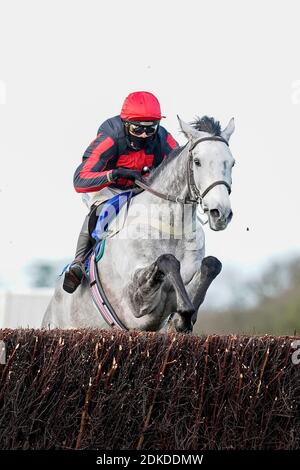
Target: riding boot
<point>75,272</point>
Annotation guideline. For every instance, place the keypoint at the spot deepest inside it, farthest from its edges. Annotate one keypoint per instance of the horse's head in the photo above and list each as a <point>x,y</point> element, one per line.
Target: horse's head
<point>211,163</point>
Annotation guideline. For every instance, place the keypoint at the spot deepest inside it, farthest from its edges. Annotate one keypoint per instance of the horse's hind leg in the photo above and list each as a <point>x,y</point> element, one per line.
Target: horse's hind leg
<point>152,283</point>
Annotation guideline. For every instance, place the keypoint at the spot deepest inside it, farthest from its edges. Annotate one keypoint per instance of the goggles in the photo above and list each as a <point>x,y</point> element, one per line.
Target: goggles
<point>141,127</point>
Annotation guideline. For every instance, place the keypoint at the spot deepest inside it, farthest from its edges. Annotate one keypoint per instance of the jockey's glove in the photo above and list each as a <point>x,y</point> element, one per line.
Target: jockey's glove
<point>126,173</point>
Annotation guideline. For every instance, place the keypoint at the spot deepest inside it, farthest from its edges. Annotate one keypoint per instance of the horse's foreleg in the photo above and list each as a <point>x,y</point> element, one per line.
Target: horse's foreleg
<point>145,295</point>
<point>210,268</point>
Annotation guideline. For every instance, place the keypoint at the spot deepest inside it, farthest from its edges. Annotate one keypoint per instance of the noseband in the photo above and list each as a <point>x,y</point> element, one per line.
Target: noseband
<point>194,194</point>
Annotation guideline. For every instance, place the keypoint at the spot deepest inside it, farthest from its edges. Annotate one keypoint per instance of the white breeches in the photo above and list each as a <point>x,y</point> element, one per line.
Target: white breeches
<point>98,197</point>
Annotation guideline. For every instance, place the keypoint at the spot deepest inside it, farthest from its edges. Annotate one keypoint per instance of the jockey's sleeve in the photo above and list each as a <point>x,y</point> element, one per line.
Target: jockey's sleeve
<point>170,144</point>
<point>92,175</point>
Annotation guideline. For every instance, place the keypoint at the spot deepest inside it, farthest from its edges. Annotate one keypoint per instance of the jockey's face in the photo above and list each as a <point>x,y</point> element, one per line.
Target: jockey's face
<point>143,129</point>
<point>140,134</point>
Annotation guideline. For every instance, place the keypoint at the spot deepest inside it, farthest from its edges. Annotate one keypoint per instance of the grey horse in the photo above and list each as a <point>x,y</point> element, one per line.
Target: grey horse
<point>154,270</point>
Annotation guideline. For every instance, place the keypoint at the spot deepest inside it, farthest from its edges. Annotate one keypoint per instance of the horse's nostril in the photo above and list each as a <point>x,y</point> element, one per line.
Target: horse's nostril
<point>230,215</point>
<point>214,213</point>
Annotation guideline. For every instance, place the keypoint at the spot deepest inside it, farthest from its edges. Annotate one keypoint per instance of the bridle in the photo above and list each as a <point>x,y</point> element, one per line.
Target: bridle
<point>194,194</point>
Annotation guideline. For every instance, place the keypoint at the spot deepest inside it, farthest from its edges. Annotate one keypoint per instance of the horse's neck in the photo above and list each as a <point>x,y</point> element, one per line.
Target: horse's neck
<point>167,217</point>
<point>172,179</point>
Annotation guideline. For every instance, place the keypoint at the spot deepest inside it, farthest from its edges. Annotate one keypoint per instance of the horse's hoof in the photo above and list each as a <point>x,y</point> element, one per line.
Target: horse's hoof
<point>211,266</point>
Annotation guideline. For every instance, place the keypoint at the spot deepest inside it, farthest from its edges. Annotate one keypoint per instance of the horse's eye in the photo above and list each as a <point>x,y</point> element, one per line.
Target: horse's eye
<point>197,162</point>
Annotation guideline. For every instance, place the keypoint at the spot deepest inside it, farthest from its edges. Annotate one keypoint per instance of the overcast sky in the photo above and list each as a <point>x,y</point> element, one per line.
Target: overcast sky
<point>66,66</point>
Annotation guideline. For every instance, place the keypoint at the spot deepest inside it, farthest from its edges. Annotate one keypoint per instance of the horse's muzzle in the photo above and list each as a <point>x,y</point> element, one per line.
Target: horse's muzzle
<point>217,220</point>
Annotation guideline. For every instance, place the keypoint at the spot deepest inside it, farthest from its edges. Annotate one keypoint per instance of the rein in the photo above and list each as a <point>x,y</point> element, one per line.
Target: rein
<point>194,195</point>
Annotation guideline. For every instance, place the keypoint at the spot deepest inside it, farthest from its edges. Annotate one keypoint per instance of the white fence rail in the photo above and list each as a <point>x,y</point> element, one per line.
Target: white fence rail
<point>23,309</point>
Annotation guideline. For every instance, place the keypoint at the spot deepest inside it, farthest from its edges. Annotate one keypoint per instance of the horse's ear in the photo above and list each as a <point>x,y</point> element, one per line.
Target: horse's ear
<point>226,133</point>
<point>189,131</point>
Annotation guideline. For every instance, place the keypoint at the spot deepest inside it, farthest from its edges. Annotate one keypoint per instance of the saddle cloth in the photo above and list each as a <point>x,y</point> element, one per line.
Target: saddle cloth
<point>111,216</point>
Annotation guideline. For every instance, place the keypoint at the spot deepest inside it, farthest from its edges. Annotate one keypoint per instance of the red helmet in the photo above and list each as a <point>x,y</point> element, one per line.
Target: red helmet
<point>141,106</point>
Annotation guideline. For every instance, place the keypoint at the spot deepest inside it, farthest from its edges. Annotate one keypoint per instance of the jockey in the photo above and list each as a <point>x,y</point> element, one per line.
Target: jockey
<point>124,145</point>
